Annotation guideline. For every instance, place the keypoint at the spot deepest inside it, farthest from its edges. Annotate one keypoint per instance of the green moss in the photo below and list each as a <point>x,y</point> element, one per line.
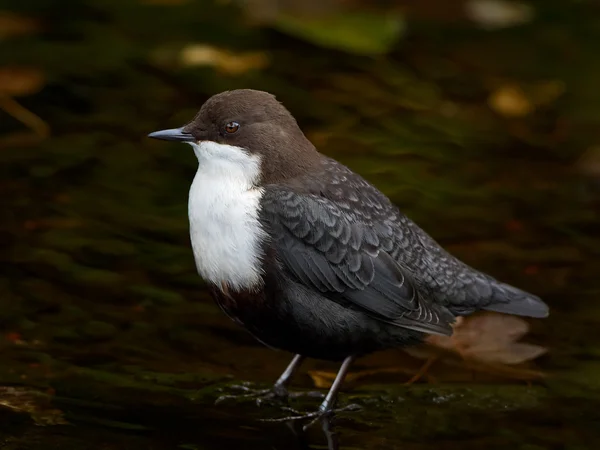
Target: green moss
<point>155,295</point>
<point>66,335</point>
<point>97,330</point>
<point>583,380</point>
<point>361,33</point>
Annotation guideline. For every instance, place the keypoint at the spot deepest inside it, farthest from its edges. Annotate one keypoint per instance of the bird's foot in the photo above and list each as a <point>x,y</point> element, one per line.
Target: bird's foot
<point>261,396</point>
<point>275,394</point>
<point>316,416</point>
<point>309,394</point>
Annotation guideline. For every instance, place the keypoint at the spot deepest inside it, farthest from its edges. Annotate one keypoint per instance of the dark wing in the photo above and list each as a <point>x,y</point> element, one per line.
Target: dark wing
<point>458,286</point>
<point>330,249</point>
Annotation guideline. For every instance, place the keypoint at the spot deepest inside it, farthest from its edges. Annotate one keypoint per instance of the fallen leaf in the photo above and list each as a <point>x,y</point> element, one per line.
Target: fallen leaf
<point>39,128</point>
<point>19,81</point>
<point>222,60</point>
<point>321,379</point>
<point>482,343</point>
<point>16,81</point>
<point>12,24</point>
<point>496,14</point>
<point>490,338</point>
<point>510,101</point>
<point>324,380</point>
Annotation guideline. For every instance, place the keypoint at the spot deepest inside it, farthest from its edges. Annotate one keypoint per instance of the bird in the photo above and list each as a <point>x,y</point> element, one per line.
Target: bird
<point>307,255</point>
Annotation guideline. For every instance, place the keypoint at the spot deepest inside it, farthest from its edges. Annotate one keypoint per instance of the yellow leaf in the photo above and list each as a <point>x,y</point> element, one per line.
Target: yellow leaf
<point>510,101</point>
<point>322,379</point>
<point>222,60</point>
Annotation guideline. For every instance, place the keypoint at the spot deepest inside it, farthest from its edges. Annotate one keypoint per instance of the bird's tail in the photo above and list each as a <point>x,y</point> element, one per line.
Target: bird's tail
<point>511,300</point>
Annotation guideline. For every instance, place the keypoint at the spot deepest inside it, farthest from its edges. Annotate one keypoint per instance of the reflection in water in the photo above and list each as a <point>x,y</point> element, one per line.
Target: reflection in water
<point>331,437</point>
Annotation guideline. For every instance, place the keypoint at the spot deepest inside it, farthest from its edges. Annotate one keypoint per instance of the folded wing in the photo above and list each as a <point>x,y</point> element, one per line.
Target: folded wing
<point>347,260</point>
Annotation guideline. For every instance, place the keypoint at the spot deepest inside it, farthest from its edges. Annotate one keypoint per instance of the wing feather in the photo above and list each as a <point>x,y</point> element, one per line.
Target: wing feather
<point>326,249</point>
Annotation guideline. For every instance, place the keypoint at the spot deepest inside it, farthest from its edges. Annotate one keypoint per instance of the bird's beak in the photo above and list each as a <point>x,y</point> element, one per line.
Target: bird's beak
<point>174,134</point>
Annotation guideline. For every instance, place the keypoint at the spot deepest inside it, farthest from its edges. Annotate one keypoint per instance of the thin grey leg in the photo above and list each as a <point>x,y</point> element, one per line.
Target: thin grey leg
<point>331,397</point>
<point>290,370</point>
<point>327,407</point>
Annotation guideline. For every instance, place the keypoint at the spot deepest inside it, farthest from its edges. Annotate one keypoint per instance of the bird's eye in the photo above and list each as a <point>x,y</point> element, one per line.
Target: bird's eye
<point>232,127</point>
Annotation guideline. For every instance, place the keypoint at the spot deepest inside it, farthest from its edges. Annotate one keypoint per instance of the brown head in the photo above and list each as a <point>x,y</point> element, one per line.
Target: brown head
<point>255,123</point>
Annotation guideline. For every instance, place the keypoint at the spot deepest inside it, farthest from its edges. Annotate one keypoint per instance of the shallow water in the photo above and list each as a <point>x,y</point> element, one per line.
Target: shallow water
<point>488,139</point>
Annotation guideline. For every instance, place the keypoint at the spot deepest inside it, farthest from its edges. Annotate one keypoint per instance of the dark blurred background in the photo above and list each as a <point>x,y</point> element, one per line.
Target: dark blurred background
<point>479,118</point>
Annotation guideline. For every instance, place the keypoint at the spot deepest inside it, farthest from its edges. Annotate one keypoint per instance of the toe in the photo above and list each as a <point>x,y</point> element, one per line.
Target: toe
<point>310,394</point>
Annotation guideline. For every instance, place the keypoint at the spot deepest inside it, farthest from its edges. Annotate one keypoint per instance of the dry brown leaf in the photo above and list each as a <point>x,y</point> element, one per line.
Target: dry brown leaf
<point>488,337</point>
<point>485,343</point>
<point>12,24</point>
<point>36,124</point>
<point>324,380</point>
<point>16,81</point>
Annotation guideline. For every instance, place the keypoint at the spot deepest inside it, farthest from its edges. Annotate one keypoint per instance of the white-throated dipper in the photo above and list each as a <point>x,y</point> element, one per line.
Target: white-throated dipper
<point>307,255</point>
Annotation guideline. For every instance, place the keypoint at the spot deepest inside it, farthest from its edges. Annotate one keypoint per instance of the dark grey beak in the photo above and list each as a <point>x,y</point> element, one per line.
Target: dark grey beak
<point>174,134</point>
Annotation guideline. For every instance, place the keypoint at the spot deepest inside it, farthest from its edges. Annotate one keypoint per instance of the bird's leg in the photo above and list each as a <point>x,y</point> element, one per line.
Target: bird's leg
<point>331,397</point>
<point>327,407</point>
<point>277,392</point>
<point>280,386</point>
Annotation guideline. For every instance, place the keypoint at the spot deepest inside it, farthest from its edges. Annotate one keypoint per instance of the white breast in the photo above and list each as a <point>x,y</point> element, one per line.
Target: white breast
<point>223,211</point>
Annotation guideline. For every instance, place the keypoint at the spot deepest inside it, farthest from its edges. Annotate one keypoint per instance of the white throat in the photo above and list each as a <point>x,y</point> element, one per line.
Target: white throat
<point>223,210</point>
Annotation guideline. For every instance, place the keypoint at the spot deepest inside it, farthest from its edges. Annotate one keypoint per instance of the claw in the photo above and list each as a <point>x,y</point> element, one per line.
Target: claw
<point>315,415</point>
<point>260,394</point>
<point>297,416</point>
<point>240,387</point>
<point>310,394</point>
<point>263,396</point>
